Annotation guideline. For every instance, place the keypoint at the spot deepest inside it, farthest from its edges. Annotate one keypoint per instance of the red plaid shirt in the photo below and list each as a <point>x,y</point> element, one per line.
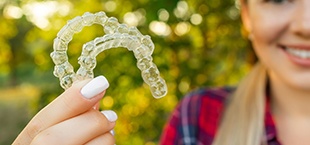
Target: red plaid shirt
<point>196,118</point>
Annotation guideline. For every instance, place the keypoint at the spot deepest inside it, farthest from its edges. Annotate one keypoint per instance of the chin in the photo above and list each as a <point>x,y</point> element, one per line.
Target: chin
<point>303,85</point>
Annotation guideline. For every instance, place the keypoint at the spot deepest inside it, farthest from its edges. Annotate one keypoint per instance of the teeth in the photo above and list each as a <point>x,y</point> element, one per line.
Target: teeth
<point>299,52</point>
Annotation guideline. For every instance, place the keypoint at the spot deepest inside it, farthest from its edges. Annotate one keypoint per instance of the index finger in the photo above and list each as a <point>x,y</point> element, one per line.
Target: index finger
<point>76,100</point>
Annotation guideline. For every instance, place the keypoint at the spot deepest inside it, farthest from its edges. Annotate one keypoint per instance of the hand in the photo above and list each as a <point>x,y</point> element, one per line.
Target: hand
<point>72,118</point>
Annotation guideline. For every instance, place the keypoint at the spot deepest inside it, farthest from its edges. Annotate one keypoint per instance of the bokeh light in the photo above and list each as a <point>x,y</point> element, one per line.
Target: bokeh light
<point>197,44</point>
<point>182,28</point>
<point>163,15</point>
<point>196,19</point>
<point>181,10</point>
<point>13,12</point>
<point>160,28</point>
<point>110,6</point>
<point>39,13</point>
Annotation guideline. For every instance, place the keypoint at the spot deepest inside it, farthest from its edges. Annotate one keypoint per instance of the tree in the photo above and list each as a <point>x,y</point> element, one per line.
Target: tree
<point>198,43</point>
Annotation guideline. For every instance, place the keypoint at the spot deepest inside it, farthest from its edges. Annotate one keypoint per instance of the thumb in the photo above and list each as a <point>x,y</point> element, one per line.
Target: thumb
<point>79,98</point>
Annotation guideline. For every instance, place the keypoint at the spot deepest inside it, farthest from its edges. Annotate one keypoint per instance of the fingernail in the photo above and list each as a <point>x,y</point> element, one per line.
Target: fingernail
<point>112,132</point>
<point>94,87</point>
<point>110,115</point>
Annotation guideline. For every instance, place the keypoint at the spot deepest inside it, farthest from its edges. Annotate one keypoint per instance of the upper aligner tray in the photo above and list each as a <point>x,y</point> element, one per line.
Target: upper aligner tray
<point>116,35</point>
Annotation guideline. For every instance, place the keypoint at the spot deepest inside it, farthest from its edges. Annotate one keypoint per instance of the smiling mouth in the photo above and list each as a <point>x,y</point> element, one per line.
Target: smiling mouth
<point>300,53</point>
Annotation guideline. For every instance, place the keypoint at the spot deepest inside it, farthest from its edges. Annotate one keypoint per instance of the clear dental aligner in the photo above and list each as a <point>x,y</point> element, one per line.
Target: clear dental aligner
<point>116,35</point>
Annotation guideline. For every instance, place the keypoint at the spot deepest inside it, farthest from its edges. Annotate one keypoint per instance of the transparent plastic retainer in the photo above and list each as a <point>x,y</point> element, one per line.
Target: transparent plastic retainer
<point>116,35</point>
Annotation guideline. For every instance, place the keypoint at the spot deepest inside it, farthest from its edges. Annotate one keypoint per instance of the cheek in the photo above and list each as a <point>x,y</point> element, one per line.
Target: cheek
<point>266,35</point>
<point>269,22</point>
<point>267,32</point>
<point>263,39</point>
<point>266,29</point>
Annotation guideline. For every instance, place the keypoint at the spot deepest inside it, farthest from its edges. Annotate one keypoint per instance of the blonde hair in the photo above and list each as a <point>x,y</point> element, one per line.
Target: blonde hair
<point>243,119</point>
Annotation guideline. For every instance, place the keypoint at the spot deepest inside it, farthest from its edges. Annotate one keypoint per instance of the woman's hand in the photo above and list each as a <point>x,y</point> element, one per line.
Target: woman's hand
<point>73,118</point>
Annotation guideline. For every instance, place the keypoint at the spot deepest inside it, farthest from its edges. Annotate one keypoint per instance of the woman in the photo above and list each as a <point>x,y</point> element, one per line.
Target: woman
<point>271,105</point>
<point>73,118</point>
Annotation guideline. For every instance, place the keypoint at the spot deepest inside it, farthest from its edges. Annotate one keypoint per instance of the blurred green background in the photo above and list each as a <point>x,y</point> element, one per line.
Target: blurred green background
<point>197,43</point>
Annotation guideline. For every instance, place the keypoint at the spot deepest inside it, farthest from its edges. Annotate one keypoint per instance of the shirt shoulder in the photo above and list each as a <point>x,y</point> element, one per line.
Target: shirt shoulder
<point>196,118</point>
<point>210,112</point>
<point>219,94</point>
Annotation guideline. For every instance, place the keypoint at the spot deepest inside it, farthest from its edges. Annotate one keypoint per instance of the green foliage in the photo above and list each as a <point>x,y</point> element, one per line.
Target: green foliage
<point>13,119</point>
<point>211,53</point>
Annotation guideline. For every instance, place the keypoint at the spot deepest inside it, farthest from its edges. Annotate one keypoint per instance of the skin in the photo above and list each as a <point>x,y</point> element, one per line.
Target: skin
<point>70,119</point>
<point>274,25</point>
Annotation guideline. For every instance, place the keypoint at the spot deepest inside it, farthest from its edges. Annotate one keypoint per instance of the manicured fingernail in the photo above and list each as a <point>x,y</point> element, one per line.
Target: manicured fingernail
<point>94,87</point>
<point>110,115</point>
<point>112,132</point>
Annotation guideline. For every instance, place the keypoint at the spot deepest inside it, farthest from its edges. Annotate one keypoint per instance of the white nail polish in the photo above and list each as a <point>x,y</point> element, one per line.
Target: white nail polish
<point>110,115</point>
<point>94,87</point>
<point>112,132</point>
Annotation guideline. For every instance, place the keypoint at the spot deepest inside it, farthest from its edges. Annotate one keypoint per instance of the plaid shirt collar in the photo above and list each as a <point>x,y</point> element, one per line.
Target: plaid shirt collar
<point>196,118</point>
